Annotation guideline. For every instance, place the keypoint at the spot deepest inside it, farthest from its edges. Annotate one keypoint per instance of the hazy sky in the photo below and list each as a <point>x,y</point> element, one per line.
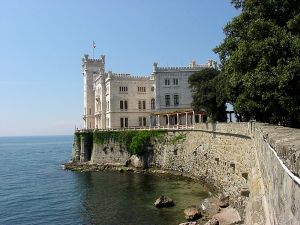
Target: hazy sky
<point>42,43</point>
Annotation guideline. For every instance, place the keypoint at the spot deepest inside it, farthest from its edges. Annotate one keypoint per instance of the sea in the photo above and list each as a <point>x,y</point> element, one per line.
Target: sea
<point>35,189</point>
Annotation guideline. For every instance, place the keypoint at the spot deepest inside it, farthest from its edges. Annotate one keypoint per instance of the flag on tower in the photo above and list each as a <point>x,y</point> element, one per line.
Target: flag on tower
<point>94,44</point>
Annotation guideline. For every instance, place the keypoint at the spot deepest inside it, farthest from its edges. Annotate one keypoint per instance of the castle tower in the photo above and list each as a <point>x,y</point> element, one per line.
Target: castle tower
<point>90,70</point>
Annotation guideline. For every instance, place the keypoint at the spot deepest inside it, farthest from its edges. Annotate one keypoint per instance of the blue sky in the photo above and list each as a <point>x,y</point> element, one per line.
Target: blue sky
<point>42,43</point>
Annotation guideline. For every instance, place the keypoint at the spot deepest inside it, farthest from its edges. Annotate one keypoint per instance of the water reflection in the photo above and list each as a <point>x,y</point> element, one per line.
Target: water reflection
<point>111,198</point>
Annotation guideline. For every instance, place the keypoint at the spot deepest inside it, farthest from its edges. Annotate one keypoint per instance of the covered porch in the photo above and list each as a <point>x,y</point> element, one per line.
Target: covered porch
<point>183,119</point>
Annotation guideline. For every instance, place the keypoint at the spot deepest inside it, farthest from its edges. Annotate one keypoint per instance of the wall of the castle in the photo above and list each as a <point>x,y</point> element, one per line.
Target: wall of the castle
<point>88,101</point>
<point>124,89</point>
<point>133,119</point>
<point>172,83</point>
<point>132,95</point>
<point>90,69</point>
<point>102,93</point>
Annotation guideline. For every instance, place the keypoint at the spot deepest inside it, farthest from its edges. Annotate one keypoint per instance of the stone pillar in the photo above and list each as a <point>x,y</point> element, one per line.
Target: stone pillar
<point>168,116</point>
<point>200,118</point>
<point>177,120</point>
<point>150,122</point>
<point>76,147</point>
<point>186,120</point>
<point>83,149</point>
<point>86,143</point>
<point>193,119</point>
<point>158,121</point>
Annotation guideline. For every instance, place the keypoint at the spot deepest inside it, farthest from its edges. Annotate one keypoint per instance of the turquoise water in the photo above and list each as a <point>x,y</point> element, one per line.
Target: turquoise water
<point>34,189</point>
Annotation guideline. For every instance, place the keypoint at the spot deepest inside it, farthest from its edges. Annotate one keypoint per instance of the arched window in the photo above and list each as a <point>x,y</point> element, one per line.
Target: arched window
<point>152,103</point>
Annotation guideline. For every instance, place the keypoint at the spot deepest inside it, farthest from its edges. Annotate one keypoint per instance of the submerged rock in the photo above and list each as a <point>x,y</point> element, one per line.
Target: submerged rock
<point>228,216</point>
<point>224,201</point>
<point>212,221</point>
<point>163,201</point>
<point>189,223</point>
<point>192,213</point>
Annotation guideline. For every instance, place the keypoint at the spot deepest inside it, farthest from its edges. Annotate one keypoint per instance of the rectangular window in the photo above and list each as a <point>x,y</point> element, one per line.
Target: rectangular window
<point>142,121</point>
<point>125,105</point>
<point>167,81</point>
<point>141,89</point>
<point>142,104</point>
<point>121,105</point>
<point>90,111</point>
<point>176,100</point>
<point>123,122</point>
<point>152,103</point>
<point>167,100</point>
<point>123,89</point>
<point>175,81</point>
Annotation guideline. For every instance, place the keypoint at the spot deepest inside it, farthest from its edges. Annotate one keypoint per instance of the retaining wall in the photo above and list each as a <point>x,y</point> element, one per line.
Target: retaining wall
<point>242,160</point>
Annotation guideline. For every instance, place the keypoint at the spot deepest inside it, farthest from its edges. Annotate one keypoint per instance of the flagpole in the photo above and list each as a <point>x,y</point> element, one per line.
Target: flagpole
<point>94,46</point>
<point>93,52</point>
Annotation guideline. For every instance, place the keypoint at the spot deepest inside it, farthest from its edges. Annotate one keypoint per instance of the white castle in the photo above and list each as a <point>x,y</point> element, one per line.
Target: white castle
<point>160,100</point>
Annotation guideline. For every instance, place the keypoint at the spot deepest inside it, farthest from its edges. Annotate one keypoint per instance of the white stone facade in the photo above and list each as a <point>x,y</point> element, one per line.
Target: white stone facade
<point>113,101</point>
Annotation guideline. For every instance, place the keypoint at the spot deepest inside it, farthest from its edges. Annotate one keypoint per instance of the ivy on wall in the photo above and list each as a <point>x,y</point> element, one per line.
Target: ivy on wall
<point>135,141</point>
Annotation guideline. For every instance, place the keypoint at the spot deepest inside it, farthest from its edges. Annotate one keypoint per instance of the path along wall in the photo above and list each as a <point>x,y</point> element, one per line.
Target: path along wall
<point>278,155</point>
<point>235,158</point>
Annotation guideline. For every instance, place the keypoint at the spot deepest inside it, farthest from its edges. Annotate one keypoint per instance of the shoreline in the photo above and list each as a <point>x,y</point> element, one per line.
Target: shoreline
<point>211,203</point>
<point>87,167</point>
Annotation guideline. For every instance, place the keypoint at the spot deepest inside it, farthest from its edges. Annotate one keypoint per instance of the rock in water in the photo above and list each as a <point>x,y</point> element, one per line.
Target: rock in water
<point>228,216</point>
<point>212,221</point>
<point>163,201</point>
<point>192,213</point>
<point>189,223</point>
<point>224,201</point>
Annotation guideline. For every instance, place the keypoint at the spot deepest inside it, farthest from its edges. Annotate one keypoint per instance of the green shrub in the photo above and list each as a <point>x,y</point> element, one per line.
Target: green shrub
<point>135,141</point>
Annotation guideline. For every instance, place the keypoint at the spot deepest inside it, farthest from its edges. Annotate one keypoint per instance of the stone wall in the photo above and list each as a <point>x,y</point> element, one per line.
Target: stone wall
<point>219,158</point>
<point>280,192</point>
<point>112,153</point>
<point>221,155</point>
<point>250,162</point>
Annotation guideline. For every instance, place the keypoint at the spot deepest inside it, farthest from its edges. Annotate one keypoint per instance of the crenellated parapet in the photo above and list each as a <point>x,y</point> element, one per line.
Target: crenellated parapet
<point>90,64</point>
<point>192,67</point>
<point>125,76</point>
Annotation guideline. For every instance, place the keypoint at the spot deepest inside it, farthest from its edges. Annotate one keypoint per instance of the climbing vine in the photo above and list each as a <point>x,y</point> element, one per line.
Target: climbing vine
<point>77,138</point>
<point>135,141</point>
<point>178,138</point>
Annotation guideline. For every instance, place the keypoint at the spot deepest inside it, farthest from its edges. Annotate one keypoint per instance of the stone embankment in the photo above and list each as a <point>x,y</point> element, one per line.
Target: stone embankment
<point>256,167</point>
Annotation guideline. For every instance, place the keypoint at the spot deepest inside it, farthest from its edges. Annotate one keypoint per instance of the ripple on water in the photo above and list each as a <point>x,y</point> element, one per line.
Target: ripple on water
<point>35,190</point>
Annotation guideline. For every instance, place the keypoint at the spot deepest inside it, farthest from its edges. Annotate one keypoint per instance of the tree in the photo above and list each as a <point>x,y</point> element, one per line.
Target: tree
<point>260,60</point>
<point>206,86</point>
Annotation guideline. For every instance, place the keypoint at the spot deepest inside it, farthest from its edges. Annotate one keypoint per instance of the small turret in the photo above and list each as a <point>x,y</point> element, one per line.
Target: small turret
<point>102,57</point>
<point>155,66</point>
<point>193,64</point>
